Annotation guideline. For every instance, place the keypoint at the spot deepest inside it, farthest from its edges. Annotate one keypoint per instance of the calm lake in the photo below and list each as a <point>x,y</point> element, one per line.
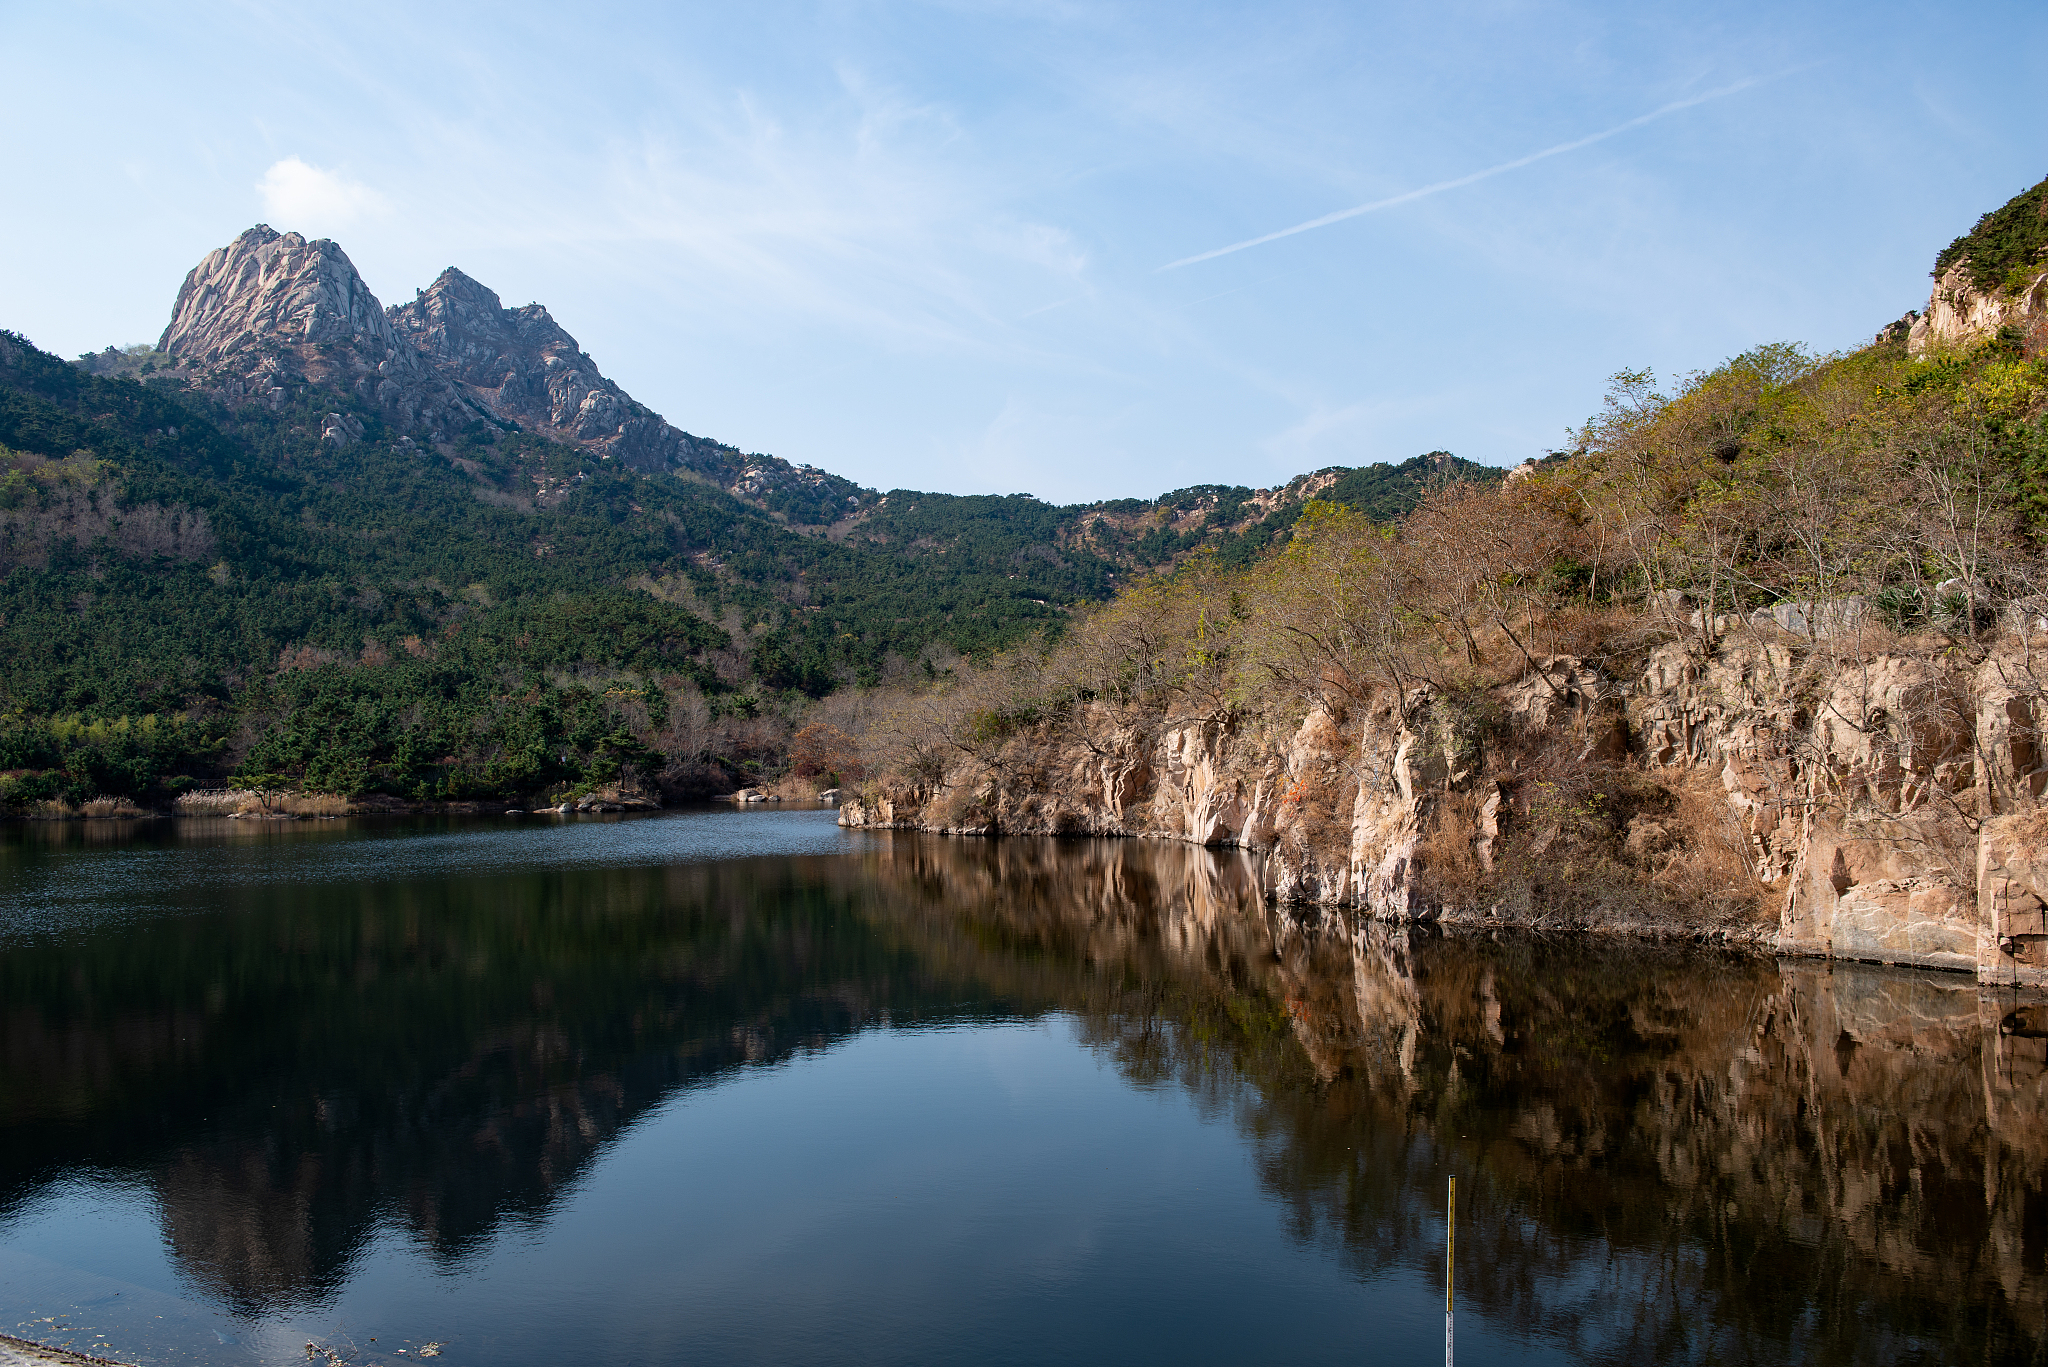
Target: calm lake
<point>725,1087</point>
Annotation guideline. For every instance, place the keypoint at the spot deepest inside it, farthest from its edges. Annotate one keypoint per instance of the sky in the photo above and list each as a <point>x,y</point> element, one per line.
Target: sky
<point>1082,251</point>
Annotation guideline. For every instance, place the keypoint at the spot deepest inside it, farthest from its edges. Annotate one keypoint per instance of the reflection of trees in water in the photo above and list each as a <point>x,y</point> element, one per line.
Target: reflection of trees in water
<point>1670,1155</point>
<point>445,1054</point>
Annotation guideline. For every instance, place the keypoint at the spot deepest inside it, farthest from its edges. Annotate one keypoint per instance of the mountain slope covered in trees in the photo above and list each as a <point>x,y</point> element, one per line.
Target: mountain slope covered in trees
<point>211,579</point>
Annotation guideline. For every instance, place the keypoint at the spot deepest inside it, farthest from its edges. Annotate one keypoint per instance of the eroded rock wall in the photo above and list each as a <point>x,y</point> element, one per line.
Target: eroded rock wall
<point>1960,315</point>
<point>1878,806</point>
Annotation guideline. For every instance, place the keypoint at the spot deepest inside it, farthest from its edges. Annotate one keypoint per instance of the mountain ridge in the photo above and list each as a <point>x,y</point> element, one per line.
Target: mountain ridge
<point>270,311</point>
<point>431,551</point>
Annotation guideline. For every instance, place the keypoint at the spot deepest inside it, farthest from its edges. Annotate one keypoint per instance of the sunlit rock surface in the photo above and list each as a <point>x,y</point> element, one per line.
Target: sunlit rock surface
<point>1866,803</point>
<point>271,313</point>
<point>1959,314</point>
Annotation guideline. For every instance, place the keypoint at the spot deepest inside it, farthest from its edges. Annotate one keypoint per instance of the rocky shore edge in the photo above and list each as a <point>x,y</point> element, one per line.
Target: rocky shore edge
<point>1883,806</point>
<point>255,804</point>
<point>19,1352</point>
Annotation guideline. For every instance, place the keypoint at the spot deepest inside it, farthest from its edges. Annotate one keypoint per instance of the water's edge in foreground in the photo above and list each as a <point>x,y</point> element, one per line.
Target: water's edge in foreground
<point>806,1094</point>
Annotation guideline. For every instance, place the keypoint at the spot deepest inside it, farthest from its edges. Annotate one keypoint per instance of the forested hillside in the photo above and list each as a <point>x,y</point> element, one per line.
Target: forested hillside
<point>292,594</point>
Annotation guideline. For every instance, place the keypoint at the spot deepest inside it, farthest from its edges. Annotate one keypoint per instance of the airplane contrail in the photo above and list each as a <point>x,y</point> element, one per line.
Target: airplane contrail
<point>1443,185</point>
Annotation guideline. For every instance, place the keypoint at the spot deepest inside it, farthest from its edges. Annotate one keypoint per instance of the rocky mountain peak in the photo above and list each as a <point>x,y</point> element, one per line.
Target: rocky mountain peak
<point>522,366</point>
<point>452,284</point>
<point>267,285</point>
<point>271,313</point>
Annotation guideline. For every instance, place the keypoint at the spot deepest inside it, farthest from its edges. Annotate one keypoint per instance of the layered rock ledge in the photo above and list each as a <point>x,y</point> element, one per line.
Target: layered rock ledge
<point>1771,789</point>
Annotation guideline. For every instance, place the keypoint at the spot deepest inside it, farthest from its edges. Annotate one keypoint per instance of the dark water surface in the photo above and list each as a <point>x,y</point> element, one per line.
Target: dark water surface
<point>741,1087</point>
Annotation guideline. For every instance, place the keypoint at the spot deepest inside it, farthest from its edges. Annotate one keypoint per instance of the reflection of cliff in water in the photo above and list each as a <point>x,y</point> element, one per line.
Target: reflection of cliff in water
<point>1671,1155</point>
<point>1682,1157</point>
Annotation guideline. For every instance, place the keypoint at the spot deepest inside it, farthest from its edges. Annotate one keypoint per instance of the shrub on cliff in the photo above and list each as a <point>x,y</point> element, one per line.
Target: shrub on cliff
<point>2006,246</point>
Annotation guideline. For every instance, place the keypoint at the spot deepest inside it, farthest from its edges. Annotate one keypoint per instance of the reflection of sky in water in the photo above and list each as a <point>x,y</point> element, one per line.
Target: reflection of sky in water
<point>616,1092</point>
<point>991,1194</point>
<point>54,887</point>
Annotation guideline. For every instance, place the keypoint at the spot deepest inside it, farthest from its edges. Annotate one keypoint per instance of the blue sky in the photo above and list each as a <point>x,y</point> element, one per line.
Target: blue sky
<point>921,244</point>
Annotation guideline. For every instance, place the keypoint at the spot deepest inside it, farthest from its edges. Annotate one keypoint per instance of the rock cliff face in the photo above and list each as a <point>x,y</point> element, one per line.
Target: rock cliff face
<point>1990,279</point>
<point>1870,806</point>
<point>1959,314</point>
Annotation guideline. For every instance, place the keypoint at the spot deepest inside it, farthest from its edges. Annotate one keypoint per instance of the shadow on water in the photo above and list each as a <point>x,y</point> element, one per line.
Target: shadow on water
<point>1667,1154</point>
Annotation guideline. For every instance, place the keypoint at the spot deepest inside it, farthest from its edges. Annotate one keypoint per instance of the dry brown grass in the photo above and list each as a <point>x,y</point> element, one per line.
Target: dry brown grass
<point>1589,842</point>
<point>1710,864</point>
<point>1585,629</point>
<point>213,802</point>
<point>98,808</point>
<point>791,788</point>
<point>255,802</point>
<point>1448,870</point>
<point>963,804</point>
<point>119,808</point>
<point>1317,802</point>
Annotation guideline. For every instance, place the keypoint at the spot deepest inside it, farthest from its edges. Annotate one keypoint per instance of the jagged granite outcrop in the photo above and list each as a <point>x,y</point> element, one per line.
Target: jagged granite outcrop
<point>524,368</point>
<point>271,313</point>
<point>1960,314</point>
<point>1991,280</point>
<point>1886,807</point>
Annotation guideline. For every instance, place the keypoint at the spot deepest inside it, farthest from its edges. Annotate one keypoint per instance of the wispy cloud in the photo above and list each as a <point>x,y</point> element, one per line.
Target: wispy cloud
<point>1048,308</point>
<point>298,195</point>
<point>1410,196</point>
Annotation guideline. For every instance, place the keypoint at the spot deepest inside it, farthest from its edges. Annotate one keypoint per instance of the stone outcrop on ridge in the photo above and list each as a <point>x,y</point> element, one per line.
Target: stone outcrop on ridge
<point>1991,280</point>
<point>1959,314</point>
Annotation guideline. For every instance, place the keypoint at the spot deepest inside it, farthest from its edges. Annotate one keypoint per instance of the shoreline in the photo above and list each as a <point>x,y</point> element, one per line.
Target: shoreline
<point>1756,937</point>
<point>249,804</point>
<point>20,1352</point>
<point>139,816</point>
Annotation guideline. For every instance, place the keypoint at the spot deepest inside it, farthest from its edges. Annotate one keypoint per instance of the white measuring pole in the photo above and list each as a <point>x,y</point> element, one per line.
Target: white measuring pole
<point>1450,1254</point>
